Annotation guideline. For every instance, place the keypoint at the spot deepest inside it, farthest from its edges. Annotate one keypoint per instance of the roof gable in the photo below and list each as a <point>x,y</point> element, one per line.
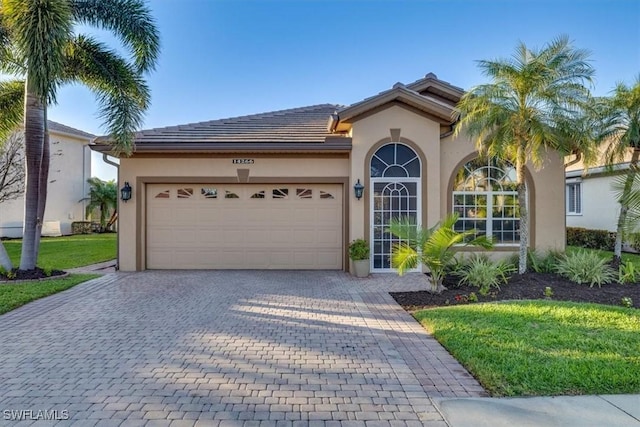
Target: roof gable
<point>432,97</point>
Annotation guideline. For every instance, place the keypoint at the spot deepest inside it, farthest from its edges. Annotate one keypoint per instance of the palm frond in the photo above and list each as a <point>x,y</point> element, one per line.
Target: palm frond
<point>404,258</point>
<point>122,92</point>
<point>130,20</point>
<point>11,107</point>
<point>40,31</point>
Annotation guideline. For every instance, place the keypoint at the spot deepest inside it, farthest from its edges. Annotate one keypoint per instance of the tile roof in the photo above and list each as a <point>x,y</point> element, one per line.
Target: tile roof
<point>296,125</point>
<point>59,127</point>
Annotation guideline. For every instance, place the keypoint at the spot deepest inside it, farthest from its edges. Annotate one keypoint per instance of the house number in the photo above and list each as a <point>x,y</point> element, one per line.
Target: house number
<point>242,161</point>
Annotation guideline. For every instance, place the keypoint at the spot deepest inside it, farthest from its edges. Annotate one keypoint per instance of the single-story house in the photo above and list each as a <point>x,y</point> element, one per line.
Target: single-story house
<point>276,190</point>
<point>68,172</point>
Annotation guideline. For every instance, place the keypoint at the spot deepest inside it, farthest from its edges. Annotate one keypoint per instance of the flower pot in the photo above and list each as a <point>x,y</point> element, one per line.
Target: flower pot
<point>361,267</point>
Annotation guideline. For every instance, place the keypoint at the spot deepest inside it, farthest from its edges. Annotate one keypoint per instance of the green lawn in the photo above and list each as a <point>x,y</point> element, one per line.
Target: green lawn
<point>534,348</point>
<point>14,295</point>
<point>60,253</point>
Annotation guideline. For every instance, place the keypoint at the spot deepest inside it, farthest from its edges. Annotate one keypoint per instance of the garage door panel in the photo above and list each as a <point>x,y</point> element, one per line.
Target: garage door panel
<point>282,227</point>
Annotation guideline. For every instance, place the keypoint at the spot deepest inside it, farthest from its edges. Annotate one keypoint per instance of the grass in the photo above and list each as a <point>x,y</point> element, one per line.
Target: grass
<point>542,348</point>
<point>60,253</point>
<point>14,295</point>
<point>608,255</point>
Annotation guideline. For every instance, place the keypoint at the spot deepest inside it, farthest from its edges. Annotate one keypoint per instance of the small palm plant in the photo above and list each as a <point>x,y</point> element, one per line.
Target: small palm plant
<point>433,247</point>
<point>103,195</point>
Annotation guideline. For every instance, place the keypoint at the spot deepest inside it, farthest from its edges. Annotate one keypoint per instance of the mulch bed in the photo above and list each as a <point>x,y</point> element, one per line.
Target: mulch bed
<point>520,287</point>
<point>36,274</point>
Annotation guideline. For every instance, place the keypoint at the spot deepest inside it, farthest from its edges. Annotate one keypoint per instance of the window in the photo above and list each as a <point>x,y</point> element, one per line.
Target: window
<point>185,193</point>
<point>280,193</point>
<point>163,195</point>
<point>485,199</point>
<point>230,195</point>
<point>304,193</point>
<point>574,198</point>
<point>258,195</point>
<point>209,193</point>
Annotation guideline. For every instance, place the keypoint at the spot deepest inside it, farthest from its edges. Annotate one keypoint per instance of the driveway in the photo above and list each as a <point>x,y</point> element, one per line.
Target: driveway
<point>228,348</point>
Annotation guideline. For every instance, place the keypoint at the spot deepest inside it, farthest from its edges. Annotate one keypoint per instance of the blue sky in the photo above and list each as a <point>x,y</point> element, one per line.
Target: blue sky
<point>224,58</point>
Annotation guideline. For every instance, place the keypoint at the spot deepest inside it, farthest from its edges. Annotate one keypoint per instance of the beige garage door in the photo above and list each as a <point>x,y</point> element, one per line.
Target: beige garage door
<point>244,226</point>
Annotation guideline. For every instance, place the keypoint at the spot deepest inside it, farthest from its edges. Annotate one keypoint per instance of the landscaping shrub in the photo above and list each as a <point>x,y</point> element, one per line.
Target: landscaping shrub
<point>585,267</point>
<point>483,273</point>
<point>543,263</point>
<point>628,272</point>
<point>591,239</point>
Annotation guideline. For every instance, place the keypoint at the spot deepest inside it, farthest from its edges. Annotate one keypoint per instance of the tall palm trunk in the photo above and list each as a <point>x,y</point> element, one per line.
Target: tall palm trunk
<point>33,146</point>
<point>44,178</point>
<point>624,206</point>
<point>524,212</point>
<point>5,261</point>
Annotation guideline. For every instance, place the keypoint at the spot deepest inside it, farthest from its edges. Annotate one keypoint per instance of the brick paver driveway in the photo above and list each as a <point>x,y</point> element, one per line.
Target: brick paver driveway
<point>225,348</point>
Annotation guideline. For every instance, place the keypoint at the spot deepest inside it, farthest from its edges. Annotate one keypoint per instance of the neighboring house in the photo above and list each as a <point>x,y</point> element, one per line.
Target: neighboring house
<point>68,172</point>
<point>590,199</point>
<point>275,190</point>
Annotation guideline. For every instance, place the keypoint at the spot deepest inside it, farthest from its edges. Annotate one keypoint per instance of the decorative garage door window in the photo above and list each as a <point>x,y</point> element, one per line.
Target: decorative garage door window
<point>395,180</point>
<point>209,193</point>
<point>185,193</point>
<point>485,199</point>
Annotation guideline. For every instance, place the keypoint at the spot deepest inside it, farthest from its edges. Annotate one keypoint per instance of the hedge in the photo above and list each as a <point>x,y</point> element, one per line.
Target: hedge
<point>592,239</point>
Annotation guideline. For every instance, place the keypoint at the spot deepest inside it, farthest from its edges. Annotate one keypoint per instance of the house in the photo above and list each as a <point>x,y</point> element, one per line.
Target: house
<point>68,172</point>
<point>276,190</point>
<point>590,199</point>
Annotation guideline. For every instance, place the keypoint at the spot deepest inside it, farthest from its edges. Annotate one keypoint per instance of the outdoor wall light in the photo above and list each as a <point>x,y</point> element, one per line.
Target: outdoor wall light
<point>358,188</point>
<point>125,192</point>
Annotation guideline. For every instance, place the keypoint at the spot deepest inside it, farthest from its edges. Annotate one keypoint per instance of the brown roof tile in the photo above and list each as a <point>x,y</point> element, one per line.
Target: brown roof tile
<point>297,125</point>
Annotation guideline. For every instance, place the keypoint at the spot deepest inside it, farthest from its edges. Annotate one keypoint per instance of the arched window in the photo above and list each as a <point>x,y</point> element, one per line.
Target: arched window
<point>395,182</point>
<point>485,199</point>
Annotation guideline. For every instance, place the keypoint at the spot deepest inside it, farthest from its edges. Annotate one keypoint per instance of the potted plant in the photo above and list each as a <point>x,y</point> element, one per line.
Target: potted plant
<point>359,254</point>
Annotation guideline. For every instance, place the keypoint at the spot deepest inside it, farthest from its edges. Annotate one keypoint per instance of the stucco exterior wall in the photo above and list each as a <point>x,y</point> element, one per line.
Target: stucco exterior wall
<point>68,172</point>
<point>375,130</point>
<point>599,207</point>
<point>205,168</point>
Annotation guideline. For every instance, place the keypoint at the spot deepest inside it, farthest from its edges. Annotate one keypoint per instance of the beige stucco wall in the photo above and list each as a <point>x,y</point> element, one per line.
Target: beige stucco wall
<point>69,169</point>
<point>443,157</point>
<point>205,168</point>
<point>415,128</point>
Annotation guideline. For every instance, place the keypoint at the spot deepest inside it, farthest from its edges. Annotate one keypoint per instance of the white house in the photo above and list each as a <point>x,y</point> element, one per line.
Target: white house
<point>590,199</point>
<point>70,167</point>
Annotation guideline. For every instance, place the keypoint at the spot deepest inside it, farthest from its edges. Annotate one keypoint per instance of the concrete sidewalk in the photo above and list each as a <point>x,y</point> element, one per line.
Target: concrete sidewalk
<point>99,268</point>
<point>563,411</point>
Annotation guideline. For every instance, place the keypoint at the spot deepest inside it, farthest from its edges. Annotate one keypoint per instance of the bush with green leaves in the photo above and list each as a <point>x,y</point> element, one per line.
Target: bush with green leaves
<point>591,239</point>
<point>539,262</point>
<point>483,273</point>
<point>433,247</point>
<point>359,250</point>
<point>628,272</point>
<point>586,267</point>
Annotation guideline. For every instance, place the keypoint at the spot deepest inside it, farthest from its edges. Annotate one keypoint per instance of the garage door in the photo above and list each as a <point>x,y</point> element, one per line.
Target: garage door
<point>244,226</point>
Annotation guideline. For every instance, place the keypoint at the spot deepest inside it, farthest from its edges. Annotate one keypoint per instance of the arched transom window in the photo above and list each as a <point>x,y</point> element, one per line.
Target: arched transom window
<point>395,161</point>
<point>485,199</point>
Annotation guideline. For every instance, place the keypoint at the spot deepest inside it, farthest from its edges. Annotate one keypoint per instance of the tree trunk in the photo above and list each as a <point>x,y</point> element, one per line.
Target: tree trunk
<point>624,207</point>
<point>33,145</point>
<point>524,212</point>
<point>5,261</point>
<point>44,181</point>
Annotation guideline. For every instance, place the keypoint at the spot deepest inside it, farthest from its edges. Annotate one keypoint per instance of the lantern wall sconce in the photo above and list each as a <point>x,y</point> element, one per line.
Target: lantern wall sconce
<point>358,189</point>
<point>125,192</point>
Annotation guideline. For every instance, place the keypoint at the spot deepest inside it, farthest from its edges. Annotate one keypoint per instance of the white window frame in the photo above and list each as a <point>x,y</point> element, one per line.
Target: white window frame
<point>574,183</point>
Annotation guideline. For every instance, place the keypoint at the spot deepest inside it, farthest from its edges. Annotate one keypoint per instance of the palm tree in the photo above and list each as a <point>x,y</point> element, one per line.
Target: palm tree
<point>621,123</point>
<point>432,247</point>
<point>527,109</point>
<point>39,46</point>
<point>103,195</point>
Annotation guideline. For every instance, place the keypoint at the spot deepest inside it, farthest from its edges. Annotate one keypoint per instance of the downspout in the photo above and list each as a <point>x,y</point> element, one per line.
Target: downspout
<point>105,158</point>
